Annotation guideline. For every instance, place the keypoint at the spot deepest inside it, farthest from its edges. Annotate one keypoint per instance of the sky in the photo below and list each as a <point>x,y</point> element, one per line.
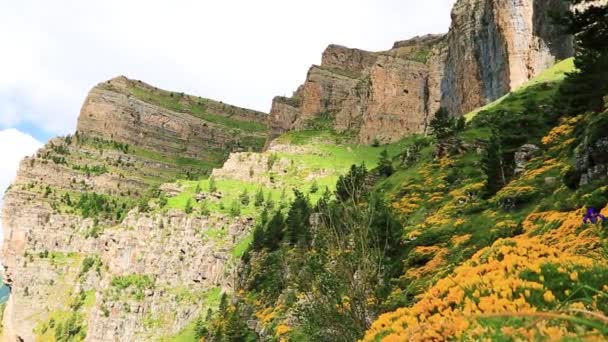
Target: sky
<point>241,52</point>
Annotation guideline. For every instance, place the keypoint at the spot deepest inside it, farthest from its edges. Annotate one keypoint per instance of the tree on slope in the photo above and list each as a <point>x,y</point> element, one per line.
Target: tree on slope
<point>585,88</point>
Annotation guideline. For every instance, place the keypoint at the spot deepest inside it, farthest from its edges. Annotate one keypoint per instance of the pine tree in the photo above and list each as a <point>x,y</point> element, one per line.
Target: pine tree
<point>350,186</point>
<point>442,125</point>
<point>298,219</point>
<point>257,242</point>
<point>223,304</point>
<point>385,165</point>
<point>493,165</point>
<point>235,209</point>
<point>274,231</point>
<point>314,187</point>
<point>212,185</point>
<point>188,208</point>
<point>244,198</point>
<point>259,198</point>
<point>585,88</point>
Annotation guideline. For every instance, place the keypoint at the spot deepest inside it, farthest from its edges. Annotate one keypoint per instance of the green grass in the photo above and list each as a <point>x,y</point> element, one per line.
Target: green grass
<point>325,158</point>
<point>241,246</point>
<point>211,301</point>
<point>195,107</point>
<point>214,159</point>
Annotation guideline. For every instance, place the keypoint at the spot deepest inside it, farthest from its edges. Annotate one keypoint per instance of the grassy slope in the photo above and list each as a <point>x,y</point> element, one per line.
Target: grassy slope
<point>515,100</point>
<point>476,270</point>
<point>196,107</point>
<point>326,152</point>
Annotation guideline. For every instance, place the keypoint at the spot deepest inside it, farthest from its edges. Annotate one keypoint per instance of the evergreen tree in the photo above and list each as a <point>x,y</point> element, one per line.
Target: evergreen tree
<point>351,185</point>
<point>385,164</point>
<point>259,198</point>
<point>493,165</point>
<point>244,198</point>
<point>257,242</point>
<point>442,125</point>
<point>298,219</point>
<point>188,208</point>
<point>314,187</point>
<point>223,304</point>
<point>269,201</point>
<point>235,209</point>
<point>212,185</point>
<point>274,231</point>
<point>585,88</point>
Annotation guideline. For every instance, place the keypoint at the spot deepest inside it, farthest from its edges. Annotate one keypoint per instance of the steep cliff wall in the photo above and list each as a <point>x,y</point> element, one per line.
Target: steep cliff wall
<point>496,46</point>
<point>378,94</point>
<point>492,47</point>
<point>88,239</point>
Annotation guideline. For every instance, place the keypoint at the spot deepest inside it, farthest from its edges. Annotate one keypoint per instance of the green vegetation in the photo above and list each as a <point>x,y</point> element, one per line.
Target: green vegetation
<point>441,202</point>
<point>585,88</point>
<point>541,89</point>
<point>67,325</point>
<point>196,107</point>
<point>135,283</point>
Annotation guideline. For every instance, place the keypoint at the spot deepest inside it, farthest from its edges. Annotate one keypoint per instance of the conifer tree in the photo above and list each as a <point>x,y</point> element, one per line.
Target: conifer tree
<point>298,219</point>
<point>275,231</point>
<point>585,88</point>
<point>259,198</point>
<point>212,185</point>
<point>385,165</point>
<point>442,125</point>
<point>493,165</point>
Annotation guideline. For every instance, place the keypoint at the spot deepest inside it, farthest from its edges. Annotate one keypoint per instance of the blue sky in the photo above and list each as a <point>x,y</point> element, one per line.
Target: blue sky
<point>239,51</point>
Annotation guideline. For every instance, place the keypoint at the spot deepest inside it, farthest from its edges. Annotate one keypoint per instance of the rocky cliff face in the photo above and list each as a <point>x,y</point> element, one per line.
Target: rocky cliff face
<point>380,95</point>
<point>86,241</point>
<point>492,47</point>
<point>496,46</point>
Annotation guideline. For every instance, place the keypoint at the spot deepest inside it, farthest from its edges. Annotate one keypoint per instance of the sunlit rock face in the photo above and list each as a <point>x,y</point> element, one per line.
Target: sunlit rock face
<point>492,47</point>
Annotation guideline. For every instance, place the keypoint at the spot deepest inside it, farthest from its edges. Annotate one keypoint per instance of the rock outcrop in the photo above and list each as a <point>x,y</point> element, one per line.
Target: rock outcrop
<point>381,95</point>
<point>82,221</point>
<point>492,47</point>
<point>136,113</point>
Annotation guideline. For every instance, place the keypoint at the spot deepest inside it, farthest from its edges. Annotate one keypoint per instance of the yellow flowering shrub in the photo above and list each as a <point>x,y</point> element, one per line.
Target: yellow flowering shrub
<point>515,277</point>
<point>282,329</point>
<point>460,239</point>
<point>437,259</point>
<point>565,129</point>
<point>405,206</point>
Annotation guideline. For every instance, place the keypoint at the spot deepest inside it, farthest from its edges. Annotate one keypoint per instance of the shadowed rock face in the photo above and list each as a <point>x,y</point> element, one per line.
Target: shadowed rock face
<point>130,136</point>
<point>496,46</point>
<point>492,48</point>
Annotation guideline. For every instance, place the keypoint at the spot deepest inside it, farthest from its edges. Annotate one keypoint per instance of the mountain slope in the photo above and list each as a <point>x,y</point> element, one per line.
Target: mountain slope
<point>85,242</point>
<point>451,258</point>
<point>543,273</point>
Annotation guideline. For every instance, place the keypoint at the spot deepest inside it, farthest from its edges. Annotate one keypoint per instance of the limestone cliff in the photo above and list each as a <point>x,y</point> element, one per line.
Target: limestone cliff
<point>87,243</point>
<point>492,47</point>
<point>381,95</point>
<point>496,46</point>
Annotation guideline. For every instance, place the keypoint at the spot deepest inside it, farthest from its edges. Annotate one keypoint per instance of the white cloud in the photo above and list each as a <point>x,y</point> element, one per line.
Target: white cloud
<point>15,146</point>
<point>239,51</point>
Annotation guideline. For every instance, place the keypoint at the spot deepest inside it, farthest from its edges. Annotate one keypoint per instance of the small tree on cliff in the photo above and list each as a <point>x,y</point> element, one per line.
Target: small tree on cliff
<point>442,125</point>
<point>585,88</point>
